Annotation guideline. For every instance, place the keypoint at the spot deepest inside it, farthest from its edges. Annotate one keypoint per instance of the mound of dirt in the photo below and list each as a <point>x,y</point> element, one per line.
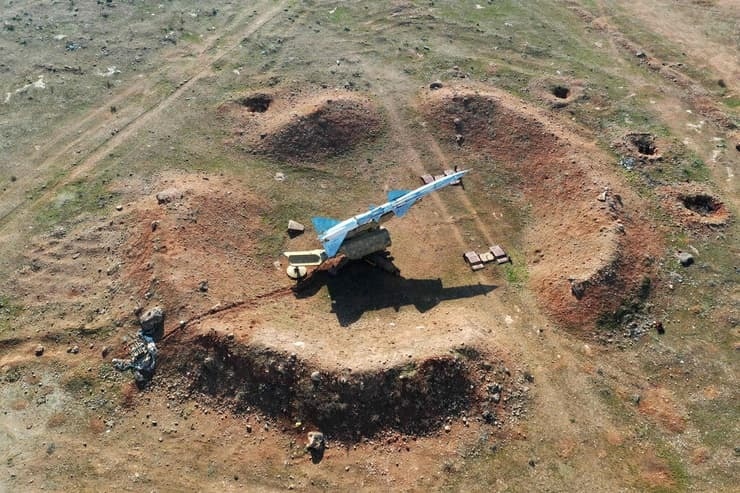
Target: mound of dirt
<point>694,205</point>
<point>415,398</point>
<point>192,243</point>
<point>589,247</point>
<point>303,129</point>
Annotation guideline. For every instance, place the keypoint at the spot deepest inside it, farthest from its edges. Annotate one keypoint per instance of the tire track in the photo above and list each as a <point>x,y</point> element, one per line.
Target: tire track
<point>415,161</point>
<point>208,55</point>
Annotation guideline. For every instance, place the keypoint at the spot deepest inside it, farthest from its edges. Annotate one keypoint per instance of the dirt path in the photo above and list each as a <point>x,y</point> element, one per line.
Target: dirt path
<point>209,52</point>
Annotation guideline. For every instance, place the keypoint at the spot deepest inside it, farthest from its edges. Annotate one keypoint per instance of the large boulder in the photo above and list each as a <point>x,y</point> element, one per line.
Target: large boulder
<point>152,323</point>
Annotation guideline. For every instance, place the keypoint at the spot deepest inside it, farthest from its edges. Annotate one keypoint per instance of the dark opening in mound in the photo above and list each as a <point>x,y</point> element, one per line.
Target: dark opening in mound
<point>257,103</point>
<point>645,143</point>
<point>561,92</point>
<point>705,205</point>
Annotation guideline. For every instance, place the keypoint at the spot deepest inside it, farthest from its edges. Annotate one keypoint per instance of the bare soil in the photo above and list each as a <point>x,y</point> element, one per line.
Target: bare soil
<point>153,155</point>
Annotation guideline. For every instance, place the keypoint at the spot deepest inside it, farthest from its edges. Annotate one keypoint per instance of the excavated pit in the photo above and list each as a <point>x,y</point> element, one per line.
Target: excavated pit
<point>255,347</point>
<point>644,143</point>
<point>705,205</point>
<point>561,92</point>
<point>257,103</point>
<point>694,205</point>
<point>557,92</point>
<point>414,398</point>
<point>592,248</point>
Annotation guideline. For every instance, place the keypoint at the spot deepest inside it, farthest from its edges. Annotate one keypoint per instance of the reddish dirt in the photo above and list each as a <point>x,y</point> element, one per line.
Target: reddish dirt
<point>654,472</point>
<point>694,205</point>
<point>659,404</point>
<point>585,256</point>
<point>200,229</point>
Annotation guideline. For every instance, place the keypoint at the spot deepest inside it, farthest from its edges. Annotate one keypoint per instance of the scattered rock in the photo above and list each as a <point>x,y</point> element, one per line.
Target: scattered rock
<point>106,351</point>
<point>168,195</point>
<point>436,85</point>
<point>152,323</point>
<point>73,350</point>
<point>203,286</point>
<point>685,258</point>
<point>119,208</point>
<point>295,228</point>
<point>315,441</point>
<point>316,377</point>
<point>447,428</point>
<point>39,350</point>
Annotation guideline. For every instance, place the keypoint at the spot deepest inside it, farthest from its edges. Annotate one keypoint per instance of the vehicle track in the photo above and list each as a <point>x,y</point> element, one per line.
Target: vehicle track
<point>209,54</point>
<point>415,162</point>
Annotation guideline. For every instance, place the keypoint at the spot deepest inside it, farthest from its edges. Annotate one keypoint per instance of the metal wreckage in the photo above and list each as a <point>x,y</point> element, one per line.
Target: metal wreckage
<point>142,360</point>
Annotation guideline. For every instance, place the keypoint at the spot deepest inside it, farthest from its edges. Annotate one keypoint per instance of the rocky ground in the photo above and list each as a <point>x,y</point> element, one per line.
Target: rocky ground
<point>154,154</point>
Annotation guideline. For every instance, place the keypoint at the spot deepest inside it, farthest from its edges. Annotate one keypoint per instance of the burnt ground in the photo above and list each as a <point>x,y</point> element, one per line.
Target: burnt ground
<point>160,167</point>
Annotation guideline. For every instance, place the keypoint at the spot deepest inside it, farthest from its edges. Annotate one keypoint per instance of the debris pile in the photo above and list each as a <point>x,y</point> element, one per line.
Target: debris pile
<point>477,261</point>
<point>143,358</point>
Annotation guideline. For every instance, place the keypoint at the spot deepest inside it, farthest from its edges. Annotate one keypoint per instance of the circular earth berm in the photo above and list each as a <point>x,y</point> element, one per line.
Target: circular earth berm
<point>239,337</point>
<point>414,397</point>
<point>589,244</point>
<point>302,128</point>
<point>558,92</point>
<point>192,229</point>
<point>694,205</point>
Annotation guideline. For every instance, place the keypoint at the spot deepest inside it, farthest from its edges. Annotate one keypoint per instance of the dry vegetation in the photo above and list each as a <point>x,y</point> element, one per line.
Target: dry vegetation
<point>153,154</point>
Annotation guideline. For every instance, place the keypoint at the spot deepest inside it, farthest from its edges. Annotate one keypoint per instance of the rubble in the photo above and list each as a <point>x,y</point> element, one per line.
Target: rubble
<point>152,323</point>
<point>143,358</point>
<point>315,440</point>
<point>295,228</point>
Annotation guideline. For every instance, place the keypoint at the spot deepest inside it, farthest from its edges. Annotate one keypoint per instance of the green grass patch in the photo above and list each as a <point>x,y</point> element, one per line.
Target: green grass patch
<point>731,102</point>
<point>516,273</point>
<point>73,200</point>
<point>675,466</point>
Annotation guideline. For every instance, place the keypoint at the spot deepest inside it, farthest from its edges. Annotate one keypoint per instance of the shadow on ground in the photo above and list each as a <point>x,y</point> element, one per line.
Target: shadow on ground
<point>360,288</point>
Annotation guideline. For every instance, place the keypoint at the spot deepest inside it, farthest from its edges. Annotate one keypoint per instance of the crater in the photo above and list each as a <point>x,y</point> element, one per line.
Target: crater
<point>561,92</point>
<point>644,143</point>
<point>704,205</point>
<point>257,103</point>
<point>557,92</point>
<point>694,205</point>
